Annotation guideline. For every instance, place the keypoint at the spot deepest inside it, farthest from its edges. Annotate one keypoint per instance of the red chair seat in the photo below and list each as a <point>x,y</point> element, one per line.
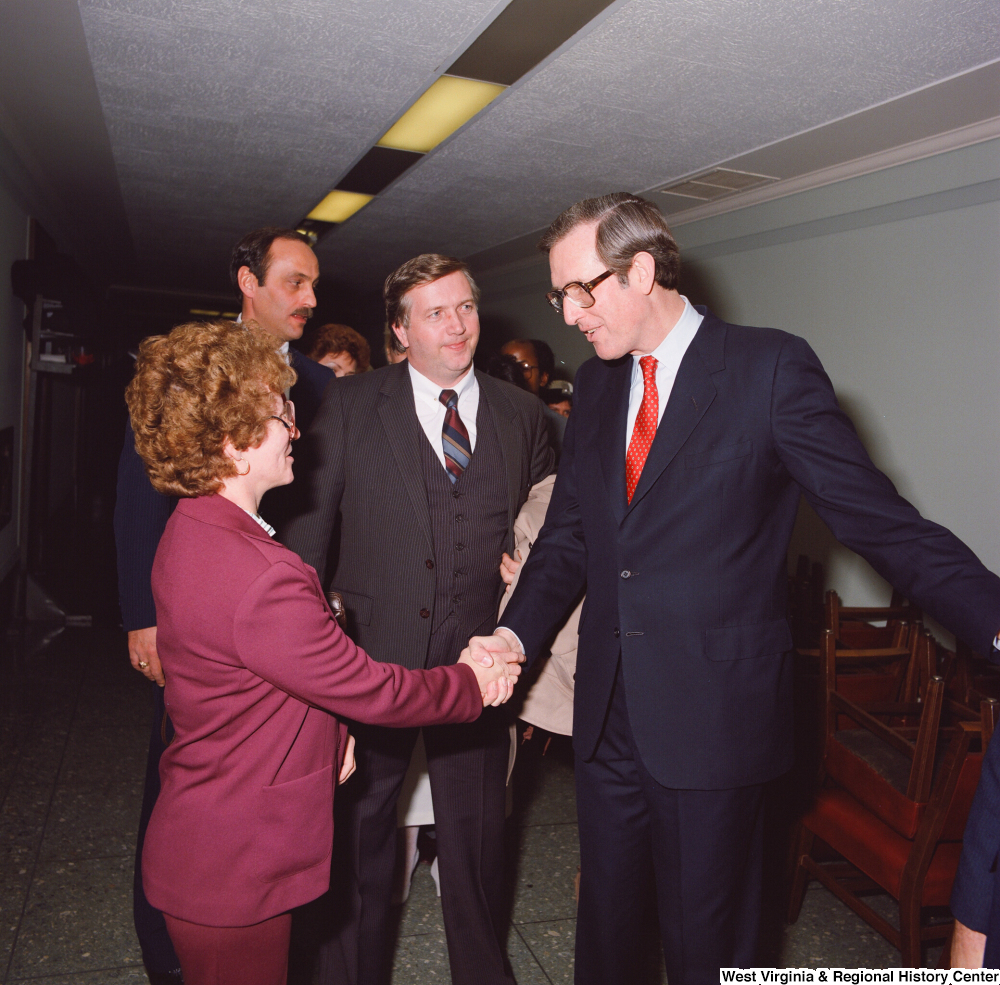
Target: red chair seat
<point>874,848</point>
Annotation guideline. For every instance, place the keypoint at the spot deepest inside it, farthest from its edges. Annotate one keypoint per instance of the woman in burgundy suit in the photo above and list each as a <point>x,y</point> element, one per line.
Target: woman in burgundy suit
<point>256,667</point>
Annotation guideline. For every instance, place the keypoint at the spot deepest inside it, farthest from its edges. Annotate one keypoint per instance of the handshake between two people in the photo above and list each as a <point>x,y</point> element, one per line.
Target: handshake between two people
<point>496,661</point>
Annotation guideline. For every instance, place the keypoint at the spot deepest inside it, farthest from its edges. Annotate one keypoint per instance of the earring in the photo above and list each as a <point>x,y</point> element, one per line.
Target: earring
<point>241,474</point>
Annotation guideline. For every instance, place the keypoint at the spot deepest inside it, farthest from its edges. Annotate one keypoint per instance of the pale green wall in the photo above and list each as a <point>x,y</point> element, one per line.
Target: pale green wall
<point>13,244</point>
<point>894,278</point>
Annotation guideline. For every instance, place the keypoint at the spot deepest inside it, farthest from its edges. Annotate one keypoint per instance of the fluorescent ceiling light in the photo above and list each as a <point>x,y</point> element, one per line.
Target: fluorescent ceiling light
<point>448,104</point>
<point>338,206</point>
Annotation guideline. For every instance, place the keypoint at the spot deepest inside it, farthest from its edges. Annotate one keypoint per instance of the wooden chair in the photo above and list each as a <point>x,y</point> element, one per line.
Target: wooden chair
<point>854,626</point>
<point>970,677</point>
<point>890,672</point>
<point>893,805</point>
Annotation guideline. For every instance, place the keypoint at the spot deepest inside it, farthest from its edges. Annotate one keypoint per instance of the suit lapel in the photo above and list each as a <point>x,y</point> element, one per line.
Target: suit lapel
<point>402,430</point>
<point>613,407</point>
<point>691,396</point>
<point>504,413</point>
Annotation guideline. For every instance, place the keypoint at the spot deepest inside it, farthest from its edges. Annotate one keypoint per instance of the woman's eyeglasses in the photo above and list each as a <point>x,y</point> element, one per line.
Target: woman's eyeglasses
<point>287,419</point>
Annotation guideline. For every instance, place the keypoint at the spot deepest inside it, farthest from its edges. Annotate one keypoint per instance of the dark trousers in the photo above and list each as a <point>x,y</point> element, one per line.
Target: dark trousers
<point>158,953</point>
<point>468,771</point>
<point>703,847</point>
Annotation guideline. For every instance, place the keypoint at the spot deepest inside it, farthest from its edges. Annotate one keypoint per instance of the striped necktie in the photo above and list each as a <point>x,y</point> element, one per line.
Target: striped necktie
<point>454,437</point>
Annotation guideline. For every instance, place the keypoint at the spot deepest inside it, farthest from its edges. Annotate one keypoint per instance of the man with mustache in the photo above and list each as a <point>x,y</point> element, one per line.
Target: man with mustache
<point>275,272</point>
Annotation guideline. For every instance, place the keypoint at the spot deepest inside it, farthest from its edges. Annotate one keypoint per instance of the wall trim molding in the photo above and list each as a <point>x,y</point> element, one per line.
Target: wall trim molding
<point>940,143</point>
<point>948,200</point>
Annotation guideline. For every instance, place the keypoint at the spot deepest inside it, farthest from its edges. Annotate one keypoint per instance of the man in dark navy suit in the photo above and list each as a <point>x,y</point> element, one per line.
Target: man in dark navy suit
<point>275,272</point>
<point>689,445</point>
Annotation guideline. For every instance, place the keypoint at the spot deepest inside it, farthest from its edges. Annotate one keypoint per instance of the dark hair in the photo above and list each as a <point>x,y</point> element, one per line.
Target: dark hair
<point>340,338</point>
<point>550,396</point>
<point>626,225</point>
<point>544,356</point>
<point>254,251</point>
<point>507,368</point>
<point>424,269</point>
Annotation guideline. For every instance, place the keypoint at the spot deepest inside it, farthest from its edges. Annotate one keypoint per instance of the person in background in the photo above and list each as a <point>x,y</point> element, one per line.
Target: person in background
<point>537,363</point>
<point>536,359</point>
<point>341,349</point>
<point>274,272</point>
<point>559,397</point>
<point>975,895</point>
<point>427,464</point>
<point>546,701</point>
<point>506,368</point>
<point>256,667</point>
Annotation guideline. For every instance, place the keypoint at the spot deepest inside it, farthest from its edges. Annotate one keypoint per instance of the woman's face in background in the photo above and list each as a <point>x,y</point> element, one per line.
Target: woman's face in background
<point>342,363</point>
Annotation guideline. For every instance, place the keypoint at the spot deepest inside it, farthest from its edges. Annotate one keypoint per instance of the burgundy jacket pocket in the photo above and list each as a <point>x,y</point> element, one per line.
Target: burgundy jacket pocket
<point>295,825</point>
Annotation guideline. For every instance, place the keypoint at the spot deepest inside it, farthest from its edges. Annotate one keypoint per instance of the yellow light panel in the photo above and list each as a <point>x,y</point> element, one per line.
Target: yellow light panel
<point>439,112</point>
<point>338,206</point>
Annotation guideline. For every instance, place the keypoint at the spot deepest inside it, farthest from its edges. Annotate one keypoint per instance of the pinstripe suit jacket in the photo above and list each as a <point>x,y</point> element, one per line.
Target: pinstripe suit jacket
<point>362,459</point>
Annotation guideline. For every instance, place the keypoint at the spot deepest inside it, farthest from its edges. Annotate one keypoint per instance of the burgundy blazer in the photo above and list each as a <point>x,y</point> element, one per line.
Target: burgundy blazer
<point>256,670</point>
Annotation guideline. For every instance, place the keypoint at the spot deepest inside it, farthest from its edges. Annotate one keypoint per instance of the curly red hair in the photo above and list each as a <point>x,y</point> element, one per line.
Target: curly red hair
<point>196,387</point>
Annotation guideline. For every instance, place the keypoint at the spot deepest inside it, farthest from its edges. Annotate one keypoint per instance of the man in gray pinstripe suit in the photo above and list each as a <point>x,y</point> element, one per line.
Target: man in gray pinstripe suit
<point>425,520</point>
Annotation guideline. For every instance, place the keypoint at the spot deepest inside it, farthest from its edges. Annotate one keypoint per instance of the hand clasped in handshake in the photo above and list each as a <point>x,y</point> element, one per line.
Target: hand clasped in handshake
<point>496,661</point>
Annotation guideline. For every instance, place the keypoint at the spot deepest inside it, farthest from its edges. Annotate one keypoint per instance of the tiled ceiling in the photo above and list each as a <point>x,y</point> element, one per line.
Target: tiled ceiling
<point>227,114</point>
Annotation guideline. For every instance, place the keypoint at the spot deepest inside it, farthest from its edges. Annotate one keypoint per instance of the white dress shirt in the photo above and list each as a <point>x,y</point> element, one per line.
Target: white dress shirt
<point>668,355</point>
<point>430,410</point>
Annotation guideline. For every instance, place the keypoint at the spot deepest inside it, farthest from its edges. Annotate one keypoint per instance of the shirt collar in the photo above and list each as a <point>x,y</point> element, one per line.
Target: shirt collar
<point>268,529</point>
<point>671,350</point>
<point>283,349</point>
<point>423,387</point>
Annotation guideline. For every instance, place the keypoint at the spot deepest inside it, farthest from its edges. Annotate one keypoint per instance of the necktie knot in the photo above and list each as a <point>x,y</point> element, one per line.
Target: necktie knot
<point>648,366</point>
<point>449,398</point>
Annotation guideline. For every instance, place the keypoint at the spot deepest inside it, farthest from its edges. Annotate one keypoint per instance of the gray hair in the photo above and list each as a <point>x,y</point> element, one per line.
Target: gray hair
<point>626,225</point>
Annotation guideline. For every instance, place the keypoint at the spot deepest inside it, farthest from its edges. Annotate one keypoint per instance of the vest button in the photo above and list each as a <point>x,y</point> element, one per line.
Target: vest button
<point>460,547</point>
<point>425,613</point>
<point>455,493</point>
<point>458,516</point>
<point>430,564</point>
<point>617,634</point>
<point>626,573</point>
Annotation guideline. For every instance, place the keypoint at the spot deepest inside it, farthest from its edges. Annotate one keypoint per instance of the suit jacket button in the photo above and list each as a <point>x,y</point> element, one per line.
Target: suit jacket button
<point>460,547</point>
<point>617,634</point>
<point>425,613</point>
<point>429,563</point>
<point>626,573</point>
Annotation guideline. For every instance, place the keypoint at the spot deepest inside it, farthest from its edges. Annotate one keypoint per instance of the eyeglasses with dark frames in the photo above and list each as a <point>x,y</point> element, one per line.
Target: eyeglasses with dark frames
<point>579,292</point>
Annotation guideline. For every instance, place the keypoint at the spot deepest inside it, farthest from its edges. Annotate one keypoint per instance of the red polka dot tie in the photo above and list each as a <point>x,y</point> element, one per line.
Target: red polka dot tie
<point>645,426</point>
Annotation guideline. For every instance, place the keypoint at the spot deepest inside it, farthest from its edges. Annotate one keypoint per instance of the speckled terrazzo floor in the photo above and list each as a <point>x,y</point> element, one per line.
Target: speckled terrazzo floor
<point>73,733</point>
